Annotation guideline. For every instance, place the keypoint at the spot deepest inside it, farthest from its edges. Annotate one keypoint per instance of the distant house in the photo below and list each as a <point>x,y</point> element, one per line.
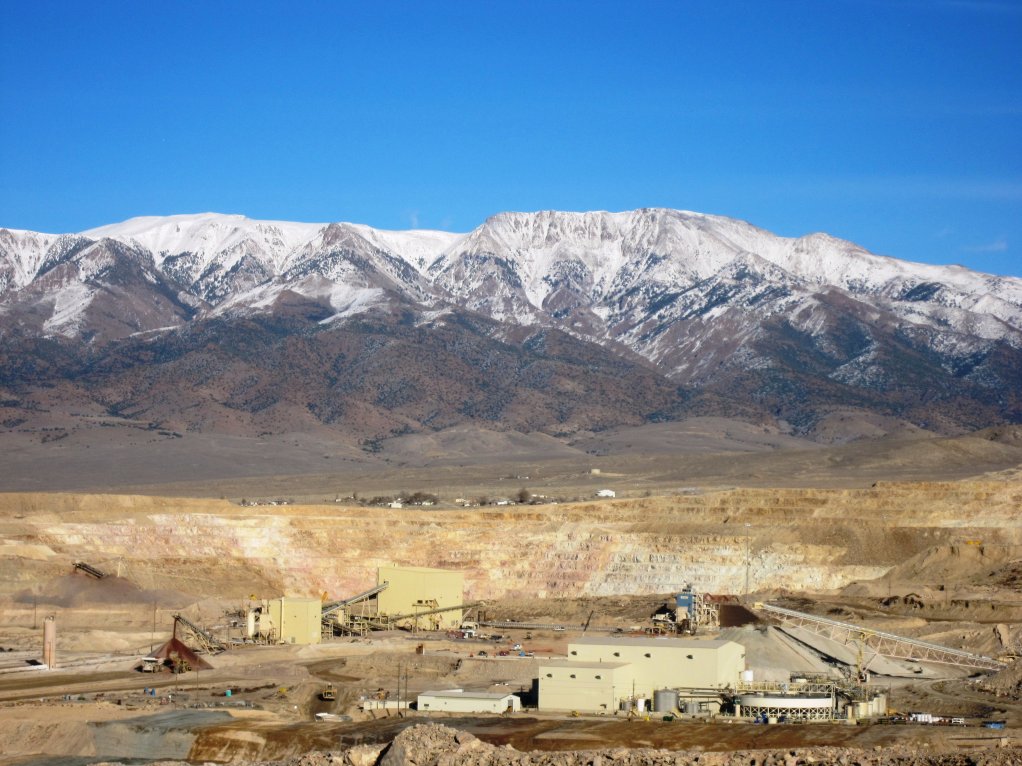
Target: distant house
<point>396,504</point>
<point>606,493</point>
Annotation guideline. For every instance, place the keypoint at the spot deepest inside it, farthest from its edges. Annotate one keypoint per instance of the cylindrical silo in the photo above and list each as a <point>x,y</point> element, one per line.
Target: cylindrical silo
<point>665,700</point>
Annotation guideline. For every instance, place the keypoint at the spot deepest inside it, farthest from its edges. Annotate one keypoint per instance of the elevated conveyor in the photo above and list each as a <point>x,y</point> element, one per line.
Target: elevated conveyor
<point>90,570</point>
<point>388,621</point>
<point>332,606</point>
<point>207,641</point>
<point>885,644</point>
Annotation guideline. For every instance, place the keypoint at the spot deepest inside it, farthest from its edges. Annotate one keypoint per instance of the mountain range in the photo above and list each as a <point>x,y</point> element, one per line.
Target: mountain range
<point>551,321</point>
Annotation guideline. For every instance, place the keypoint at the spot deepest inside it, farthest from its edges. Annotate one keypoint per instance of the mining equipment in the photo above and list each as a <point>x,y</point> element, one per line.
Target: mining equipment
<point>392,621</point>
<point>207,641</point>
<point>691,612</point>
<point>338,618</point>
<point>328,693</point>
<point>88,569</point>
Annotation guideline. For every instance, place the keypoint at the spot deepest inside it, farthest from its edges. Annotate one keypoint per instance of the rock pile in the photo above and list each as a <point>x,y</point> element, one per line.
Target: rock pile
<point>1006,683</point>
<point>437,745</point>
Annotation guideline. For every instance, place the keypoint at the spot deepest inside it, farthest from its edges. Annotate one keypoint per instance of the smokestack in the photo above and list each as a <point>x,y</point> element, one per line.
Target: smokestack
<point>50,642</point>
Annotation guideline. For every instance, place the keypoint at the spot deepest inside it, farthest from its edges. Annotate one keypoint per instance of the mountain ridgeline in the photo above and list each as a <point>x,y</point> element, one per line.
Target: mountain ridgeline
<point>552,321</point>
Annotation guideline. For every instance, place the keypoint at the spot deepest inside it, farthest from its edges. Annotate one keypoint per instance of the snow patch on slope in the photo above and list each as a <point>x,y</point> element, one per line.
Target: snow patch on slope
<point>69,304</point>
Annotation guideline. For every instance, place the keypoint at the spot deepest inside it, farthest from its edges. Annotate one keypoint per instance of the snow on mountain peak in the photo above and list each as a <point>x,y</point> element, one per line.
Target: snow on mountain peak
<point>208,234</point>
<point>596,267</point>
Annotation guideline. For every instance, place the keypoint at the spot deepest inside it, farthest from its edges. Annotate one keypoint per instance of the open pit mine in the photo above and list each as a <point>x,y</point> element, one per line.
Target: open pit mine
<point>207,630</point>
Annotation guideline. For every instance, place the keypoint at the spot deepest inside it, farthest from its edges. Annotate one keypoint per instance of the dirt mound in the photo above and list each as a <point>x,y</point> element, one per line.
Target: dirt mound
<point>1006,683</point>
<point>78,591</point>
<point>972,561</point>
<point>772,656</point>
<point>1008,576</point>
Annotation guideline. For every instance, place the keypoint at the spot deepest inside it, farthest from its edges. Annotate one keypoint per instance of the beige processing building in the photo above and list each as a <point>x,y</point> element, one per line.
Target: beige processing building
<point>427,598</point>
<point>292,620</point>
<point>601,672</point>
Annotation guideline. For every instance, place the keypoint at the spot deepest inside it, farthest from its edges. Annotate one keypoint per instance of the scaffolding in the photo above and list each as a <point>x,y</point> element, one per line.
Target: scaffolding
<point>707,612</point>
<point>885,644</point>
<point>692,612</point>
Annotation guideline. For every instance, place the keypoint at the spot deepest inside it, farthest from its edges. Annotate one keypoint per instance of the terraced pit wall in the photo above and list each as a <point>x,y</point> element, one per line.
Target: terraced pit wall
<point>796,539</point>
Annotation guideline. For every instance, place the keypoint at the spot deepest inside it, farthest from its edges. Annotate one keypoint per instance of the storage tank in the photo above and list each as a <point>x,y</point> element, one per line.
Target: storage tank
<point>692,707</point>
<point>747,676</point>
<point>665,700</point>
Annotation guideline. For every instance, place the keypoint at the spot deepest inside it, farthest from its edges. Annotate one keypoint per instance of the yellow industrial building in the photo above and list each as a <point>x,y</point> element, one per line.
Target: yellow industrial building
<point>292,620</point>
<point>601,672</point>
<point>423,597</point>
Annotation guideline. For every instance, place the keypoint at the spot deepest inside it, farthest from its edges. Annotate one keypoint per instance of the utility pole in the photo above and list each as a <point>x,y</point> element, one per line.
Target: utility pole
<point>748,560</point>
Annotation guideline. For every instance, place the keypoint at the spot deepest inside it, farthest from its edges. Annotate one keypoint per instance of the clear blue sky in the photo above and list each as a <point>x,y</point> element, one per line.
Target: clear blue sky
<point>894,123</point>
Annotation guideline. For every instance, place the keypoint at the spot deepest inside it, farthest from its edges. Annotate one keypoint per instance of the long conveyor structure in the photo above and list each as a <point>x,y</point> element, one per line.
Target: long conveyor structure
<point>210,643</point>
<point>90,570</point>
<point>886,644</point>
<point>332,606</point>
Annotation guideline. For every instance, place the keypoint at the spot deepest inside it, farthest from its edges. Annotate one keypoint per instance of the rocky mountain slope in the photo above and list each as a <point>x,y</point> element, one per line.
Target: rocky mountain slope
<point>533,321</point>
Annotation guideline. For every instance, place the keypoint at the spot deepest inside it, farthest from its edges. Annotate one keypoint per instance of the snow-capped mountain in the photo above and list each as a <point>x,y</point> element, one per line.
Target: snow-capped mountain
<point>711,303</point>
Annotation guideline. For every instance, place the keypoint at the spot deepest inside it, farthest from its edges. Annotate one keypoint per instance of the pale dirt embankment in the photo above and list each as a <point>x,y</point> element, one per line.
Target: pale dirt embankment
<point>795,539</point>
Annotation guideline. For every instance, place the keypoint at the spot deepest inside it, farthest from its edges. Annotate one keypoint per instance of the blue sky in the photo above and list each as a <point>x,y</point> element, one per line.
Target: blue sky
<point>894,123</point>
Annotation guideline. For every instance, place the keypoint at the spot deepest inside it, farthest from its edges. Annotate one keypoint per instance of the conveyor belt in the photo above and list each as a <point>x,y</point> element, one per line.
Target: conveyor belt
<point>886,644</point>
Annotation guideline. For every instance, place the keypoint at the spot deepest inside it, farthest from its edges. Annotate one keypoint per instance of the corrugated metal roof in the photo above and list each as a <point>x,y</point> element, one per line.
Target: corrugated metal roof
<point>679,643</point>
<point>462,694</point>
<point>582,664</point>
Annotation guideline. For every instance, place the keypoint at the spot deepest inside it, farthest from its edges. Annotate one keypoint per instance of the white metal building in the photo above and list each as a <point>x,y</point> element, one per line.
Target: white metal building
<point>461,701</point>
